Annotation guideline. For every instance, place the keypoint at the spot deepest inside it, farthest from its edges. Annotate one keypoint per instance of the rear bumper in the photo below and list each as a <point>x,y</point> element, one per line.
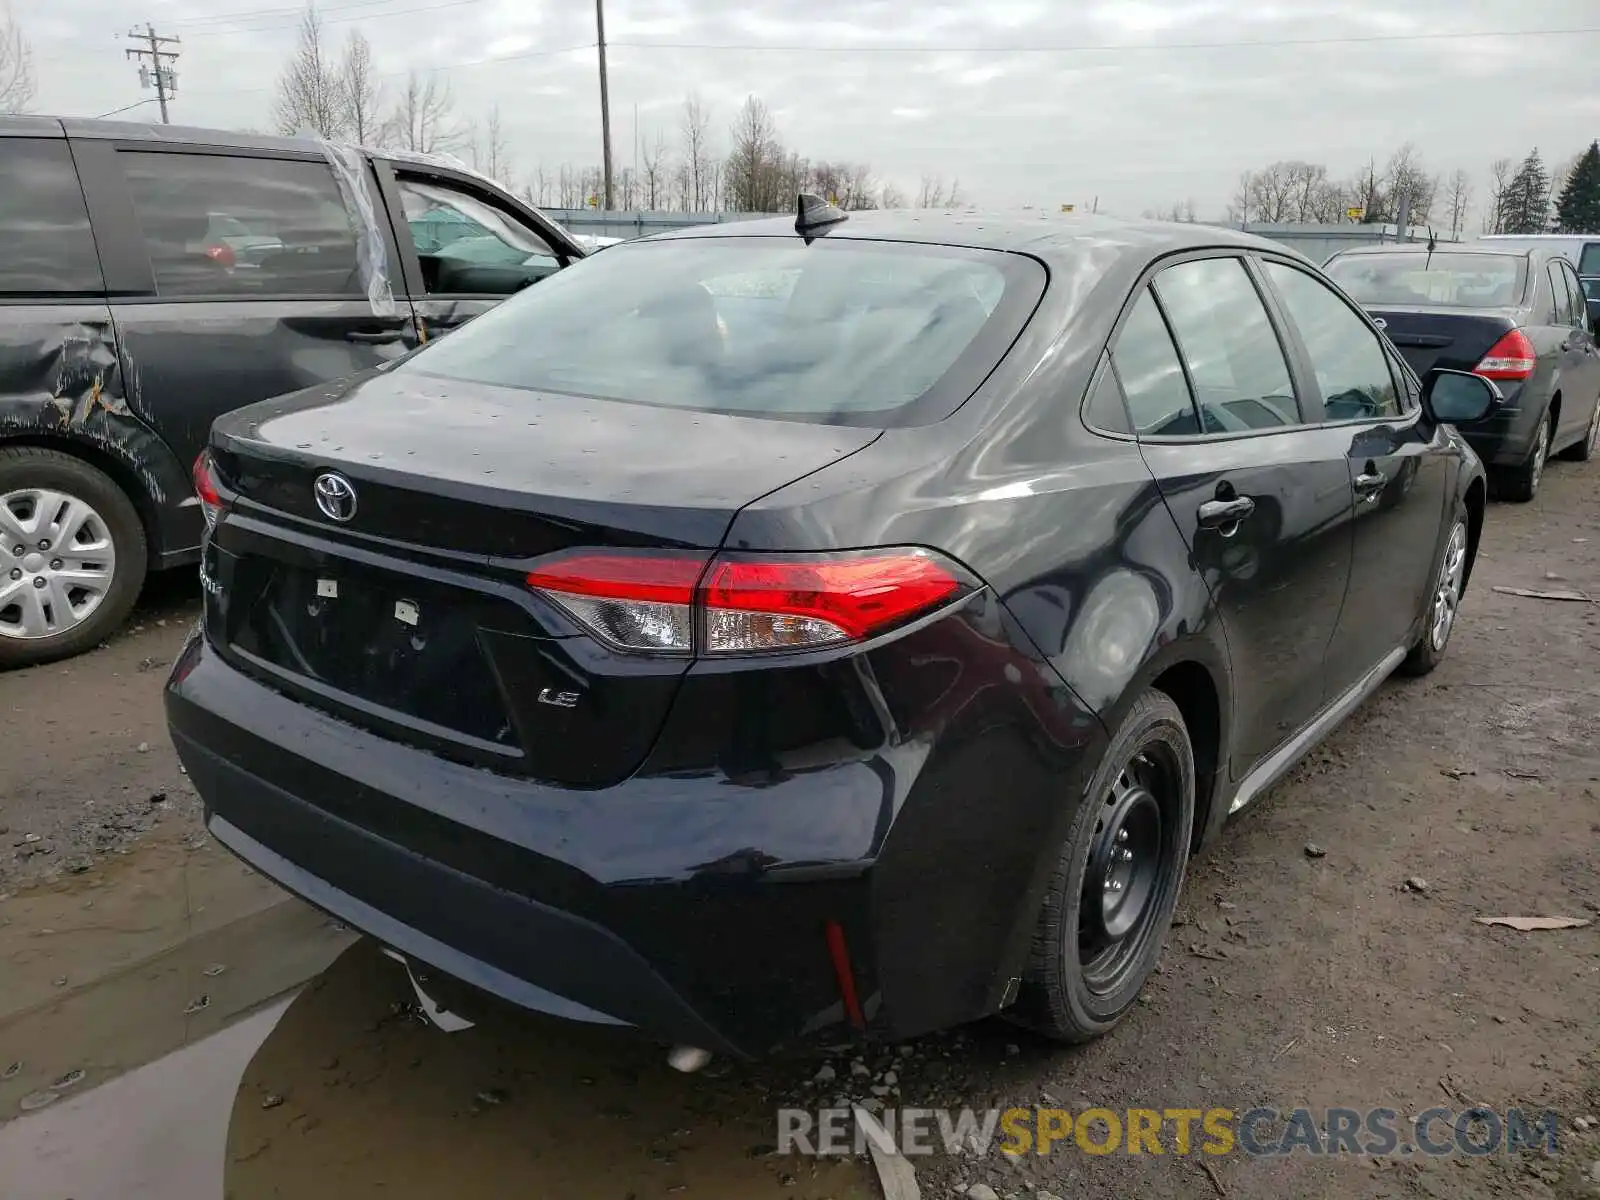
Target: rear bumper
<point>1505,437</point>
<point>690,906</point>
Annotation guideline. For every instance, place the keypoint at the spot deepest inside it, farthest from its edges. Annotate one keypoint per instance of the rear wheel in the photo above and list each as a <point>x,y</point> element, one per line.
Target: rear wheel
<point>1586,448</point>
<point>1521,483</point>
<point>72,556</point>
<point>1110,899</point>
<point>1444,602</point>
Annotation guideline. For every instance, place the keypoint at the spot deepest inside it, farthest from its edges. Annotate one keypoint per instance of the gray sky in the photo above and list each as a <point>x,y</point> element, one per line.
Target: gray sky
<point>1169,111</point>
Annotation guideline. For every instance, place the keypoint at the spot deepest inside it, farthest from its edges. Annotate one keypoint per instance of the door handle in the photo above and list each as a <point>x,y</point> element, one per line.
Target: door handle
<point>1369,484</point>
<point>1219,514</point>
<point>374,339</point>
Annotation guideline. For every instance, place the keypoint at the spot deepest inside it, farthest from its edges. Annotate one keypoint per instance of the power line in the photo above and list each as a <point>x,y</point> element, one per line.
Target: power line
<point>1117,47</point>
<point>166,80</point>
<point>295,11</point>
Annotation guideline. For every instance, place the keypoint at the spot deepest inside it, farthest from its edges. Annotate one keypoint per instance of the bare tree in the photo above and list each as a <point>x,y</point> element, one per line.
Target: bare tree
<point>18,86</point>
<point>934,194</point>
<point>891,197</point>
<point>1494,217</point>
<point>496,155</point>
<point>756,168</point>
<point>1367,193</point>
<point>696,130</point>
<point>1272,193</point>
<point>310,97</point>
<point>423,119</point>
<point>1409,186</point>
<point>1458,195</point>
<point>360,94</point>
<point>656,171</point>
<point>1241,206</point>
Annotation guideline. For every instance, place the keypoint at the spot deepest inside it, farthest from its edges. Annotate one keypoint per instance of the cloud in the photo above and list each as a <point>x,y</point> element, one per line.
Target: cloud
<point>1139,102</point>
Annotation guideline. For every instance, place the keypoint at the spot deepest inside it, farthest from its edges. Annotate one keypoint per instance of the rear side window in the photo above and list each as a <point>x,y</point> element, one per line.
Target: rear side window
<point>1241,380</point>
<point>1346,354</point>
<point>1580,308</point>
<point>1589,260</point>
<point>1152,377</point>
<point>841,331</point>
<point>1563,298</point>
<point>1105,410</point>
<point>221,225</point>
<point>44,225</point>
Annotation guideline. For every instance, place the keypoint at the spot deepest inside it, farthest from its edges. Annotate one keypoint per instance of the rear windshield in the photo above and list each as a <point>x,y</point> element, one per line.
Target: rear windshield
<point>843,331</point>
<point>1447,280</point>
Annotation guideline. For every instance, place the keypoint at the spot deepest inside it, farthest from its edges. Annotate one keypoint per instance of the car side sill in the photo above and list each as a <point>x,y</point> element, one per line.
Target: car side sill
<point>1277,764</point>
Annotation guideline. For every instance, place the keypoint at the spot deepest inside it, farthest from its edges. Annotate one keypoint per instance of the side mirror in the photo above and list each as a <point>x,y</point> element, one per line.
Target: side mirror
<point>1458,397</point>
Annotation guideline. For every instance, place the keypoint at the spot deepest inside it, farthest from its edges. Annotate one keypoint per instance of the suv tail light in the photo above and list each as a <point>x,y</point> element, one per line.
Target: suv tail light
<point>221,254</point>
<point>205,487</point>
<point>747,603</point>
<point>1512,357</point>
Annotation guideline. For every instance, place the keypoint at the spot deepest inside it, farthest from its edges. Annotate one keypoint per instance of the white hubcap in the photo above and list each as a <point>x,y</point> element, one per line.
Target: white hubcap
<point>1447,596</point>
<point>57,562</point>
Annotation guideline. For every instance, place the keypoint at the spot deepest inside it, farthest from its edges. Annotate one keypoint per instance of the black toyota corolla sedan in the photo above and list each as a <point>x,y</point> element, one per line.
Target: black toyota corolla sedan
<point>770,631</point>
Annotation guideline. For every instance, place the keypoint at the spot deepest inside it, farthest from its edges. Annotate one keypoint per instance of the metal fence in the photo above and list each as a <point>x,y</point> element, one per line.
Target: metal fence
<point>1316,242</point>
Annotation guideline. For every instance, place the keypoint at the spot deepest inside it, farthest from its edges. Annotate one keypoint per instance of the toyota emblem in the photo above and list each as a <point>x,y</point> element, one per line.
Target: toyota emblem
<point>335,496</point>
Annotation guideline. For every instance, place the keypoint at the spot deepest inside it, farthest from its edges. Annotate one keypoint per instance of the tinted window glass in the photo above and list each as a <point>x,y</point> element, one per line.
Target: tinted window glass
<point>1563,299</point>
<point>220,225</point>
<point>1575,290</point>
<point>1106,410</point>
<point>1152,377</point>
<point>1445,278</point>
<point>1589,259</point>
<point>843,331</point>
<point>1241,380</point>
<point>469,247</point>
<point>1347,356</point>
<point>44,226</point>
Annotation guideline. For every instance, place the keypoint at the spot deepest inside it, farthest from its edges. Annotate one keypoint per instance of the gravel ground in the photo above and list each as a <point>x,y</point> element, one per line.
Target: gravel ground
<point>1295,978</point>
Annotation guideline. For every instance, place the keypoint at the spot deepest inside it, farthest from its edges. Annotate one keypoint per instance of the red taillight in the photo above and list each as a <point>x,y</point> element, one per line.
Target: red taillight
<point>746,603</point>
<point>1512,357</point>
<point>205,487</point>
<point>220,254</point>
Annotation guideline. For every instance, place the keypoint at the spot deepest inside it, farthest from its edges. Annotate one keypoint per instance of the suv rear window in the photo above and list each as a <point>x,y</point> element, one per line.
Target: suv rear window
<point>842,332</point>
<point>1443,279</point>
<point>44,225</point>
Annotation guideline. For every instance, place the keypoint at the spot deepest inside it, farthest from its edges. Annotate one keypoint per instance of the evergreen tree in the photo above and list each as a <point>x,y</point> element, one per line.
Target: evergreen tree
<point>1526,207</point>
<point>1579,206</point>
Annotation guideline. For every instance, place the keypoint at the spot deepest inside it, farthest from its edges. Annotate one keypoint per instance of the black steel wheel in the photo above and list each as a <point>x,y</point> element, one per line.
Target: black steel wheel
<point>1109,903</point>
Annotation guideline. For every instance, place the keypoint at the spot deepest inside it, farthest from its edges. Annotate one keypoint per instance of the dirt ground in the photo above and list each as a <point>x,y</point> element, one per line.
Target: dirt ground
<point>1293,979</point>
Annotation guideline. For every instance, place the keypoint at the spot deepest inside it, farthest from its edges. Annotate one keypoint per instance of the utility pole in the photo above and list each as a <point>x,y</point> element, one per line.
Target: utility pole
<point>605,96</point>
<point>166,80</point>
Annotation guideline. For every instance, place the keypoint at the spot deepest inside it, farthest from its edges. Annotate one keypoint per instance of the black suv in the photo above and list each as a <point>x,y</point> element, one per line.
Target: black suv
<point>156,277</point>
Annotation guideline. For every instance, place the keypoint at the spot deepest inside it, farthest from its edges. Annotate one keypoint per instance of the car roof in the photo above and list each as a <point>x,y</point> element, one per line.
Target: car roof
<point>88,129</point>
<point>1044,235</point>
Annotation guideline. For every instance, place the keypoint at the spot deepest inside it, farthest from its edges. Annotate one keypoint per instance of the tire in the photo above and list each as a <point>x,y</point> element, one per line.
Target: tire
<point>1520,484</point>
<point>1444,600</point>
<point>109,540</point>
<point>1080,980</point>
<point>1589,445</point>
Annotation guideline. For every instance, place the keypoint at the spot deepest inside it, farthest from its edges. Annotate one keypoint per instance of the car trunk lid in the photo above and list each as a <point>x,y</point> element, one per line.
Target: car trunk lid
<point>1454,338</point>
<point>412,616</point>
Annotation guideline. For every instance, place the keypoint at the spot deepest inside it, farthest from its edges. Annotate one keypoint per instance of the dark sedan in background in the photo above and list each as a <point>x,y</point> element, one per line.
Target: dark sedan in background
<point>766,631</point>
<point>1516,316</point>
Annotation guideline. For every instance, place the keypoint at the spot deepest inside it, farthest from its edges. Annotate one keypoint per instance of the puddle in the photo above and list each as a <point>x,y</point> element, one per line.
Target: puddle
<point>107,971</point>
<point>346,1096</point>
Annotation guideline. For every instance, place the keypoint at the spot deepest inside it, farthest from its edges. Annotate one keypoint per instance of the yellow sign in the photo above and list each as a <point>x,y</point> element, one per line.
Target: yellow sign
<point>1068,207</point>
<point>1355,214</point>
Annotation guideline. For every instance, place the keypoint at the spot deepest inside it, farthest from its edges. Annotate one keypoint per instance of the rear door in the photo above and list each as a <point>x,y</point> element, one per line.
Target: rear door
<point>1580,364</point>
<point>1399,469</point>
<point>205,327</point>
<point>1260,494</point>
<point>465,246</point>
